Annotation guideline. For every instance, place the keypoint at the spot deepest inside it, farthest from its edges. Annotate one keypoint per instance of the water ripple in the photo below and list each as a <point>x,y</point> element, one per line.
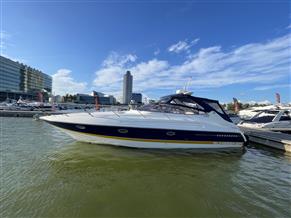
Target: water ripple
<point>46,174</point>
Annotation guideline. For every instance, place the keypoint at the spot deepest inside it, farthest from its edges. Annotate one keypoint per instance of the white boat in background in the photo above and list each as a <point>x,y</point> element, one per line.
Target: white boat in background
<point>5,105</point>
<point>175,122</point>
<point>274,120</point>
<point>247,114</point>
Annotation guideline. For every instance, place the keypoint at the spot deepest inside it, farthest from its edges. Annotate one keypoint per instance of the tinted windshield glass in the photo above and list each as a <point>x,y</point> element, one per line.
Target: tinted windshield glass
<point>216,107</point>
<point>169,108</point>
<point>263,119</point>
<point>285,118</point>
<point>164,99</point>
<point>187,102</point>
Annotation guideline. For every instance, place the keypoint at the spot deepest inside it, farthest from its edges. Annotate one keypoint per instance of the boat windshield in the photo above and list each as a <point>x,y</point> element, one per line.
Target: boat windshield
<point>286,116</point>
<point>269,116</point>
<point>185,104</point>
<point>169,108</point>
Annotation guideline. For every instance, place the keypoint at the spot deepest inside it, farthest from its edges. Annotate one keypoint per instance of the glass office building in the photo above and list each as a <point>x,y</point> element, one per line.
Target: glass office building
<point>137,98</point>
<point>34,80</point>
<point>90,99</point>
<point>9,75</point>
<point>17,80</point>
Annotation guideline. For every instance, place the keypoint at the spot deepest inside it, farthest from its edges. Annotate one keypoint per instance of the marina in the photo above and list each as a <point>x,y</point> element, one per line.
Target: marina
<point>145,109</point>
<point>11,113</point>
<point>259,128</point>
<point>38,113</point>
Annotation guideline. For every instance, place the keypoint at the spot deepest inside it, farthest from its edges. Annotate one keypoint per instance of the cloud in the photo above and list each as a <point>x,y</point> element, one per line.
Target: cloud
<point>118,60</point>
<point>109,76</point>
<point>64,83</point>
<point>250,63</point>
<point>183,46</point>
<point>211,67</point>
<point>4,36</point>
<point>265,102</point>
<point>156,52</point>
<point>263,88</point>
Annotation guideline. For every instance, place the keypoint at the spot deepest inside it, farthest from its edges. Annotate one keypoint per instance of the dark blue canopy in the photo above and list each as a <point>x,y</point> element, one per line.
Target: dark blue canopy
<point>208,105</point>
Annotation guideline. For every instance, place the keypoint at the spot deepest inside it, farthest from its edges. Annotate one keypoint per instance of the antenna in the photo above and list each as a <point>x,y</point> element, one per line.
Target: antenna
<point>188,83</point>
<point>184,90</point>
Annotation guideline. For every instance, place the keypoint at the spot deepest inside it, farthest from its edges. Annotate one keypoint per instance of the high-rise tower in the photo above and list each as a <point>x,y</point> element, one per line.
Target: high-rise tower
<point>127,87</point>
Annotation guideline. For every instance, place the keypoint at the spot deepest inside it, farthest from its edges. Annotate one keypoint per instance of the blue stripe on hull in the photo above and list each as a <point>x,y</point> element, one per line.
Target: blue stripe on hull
<point>151,133</point>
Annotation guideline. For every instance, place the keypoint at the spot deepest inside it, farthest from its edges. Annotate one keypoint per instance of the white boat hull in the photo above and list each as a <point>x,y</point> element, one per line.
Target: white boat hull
<point>150,129</point>
<point>150,144</point>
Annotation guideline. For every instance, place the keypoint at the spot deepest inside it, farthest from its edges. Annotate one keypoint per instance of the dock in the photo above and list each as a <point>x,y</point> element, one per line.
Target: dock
<point>11,113</point>
<point>277,140</point>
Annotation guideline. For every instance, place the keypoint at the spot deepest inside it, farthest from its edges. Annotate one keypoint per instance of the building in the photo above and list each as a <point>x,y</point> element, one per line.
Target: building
<point>136,98</point>
<point>110,99</point>
<point>90,99</point>
<point>9,75</point>
<point>17,79</point>
<point>127,88</point>
<point>104,99</point>
<point>85,99</point>
<point>99,94</point>
<point>35,80</point>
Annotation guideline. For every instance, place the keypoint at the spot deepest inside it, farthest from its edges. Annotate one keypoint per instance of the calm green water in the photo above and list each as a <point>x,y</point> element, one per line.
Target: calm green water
<point>44,173</point>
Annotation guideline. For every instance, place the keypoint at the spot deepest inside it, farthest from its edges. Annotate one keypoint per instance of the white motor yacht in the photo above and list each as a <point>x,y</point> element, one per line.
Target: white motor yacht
<point>247,114</point>
<point>176,121</point>
<point>274,120</point>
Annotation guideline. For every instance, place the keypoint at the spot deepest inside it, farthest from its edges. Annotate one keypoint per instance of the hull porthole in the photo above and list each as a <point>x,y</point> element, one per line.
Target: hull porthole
<point>80,127</point>
<point>170,133</point>
<point>122,131</point>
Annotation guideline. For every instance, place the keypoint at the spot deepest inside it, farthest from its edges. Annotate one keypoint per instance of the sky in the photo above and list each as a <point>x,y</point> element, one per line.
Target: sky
<point>218,49</point>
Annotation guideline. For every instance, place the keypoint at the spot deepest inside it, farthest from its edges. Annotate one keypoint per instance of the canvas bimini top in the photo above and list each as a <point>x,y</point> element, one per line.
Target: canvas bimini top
<point>186,104</point>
